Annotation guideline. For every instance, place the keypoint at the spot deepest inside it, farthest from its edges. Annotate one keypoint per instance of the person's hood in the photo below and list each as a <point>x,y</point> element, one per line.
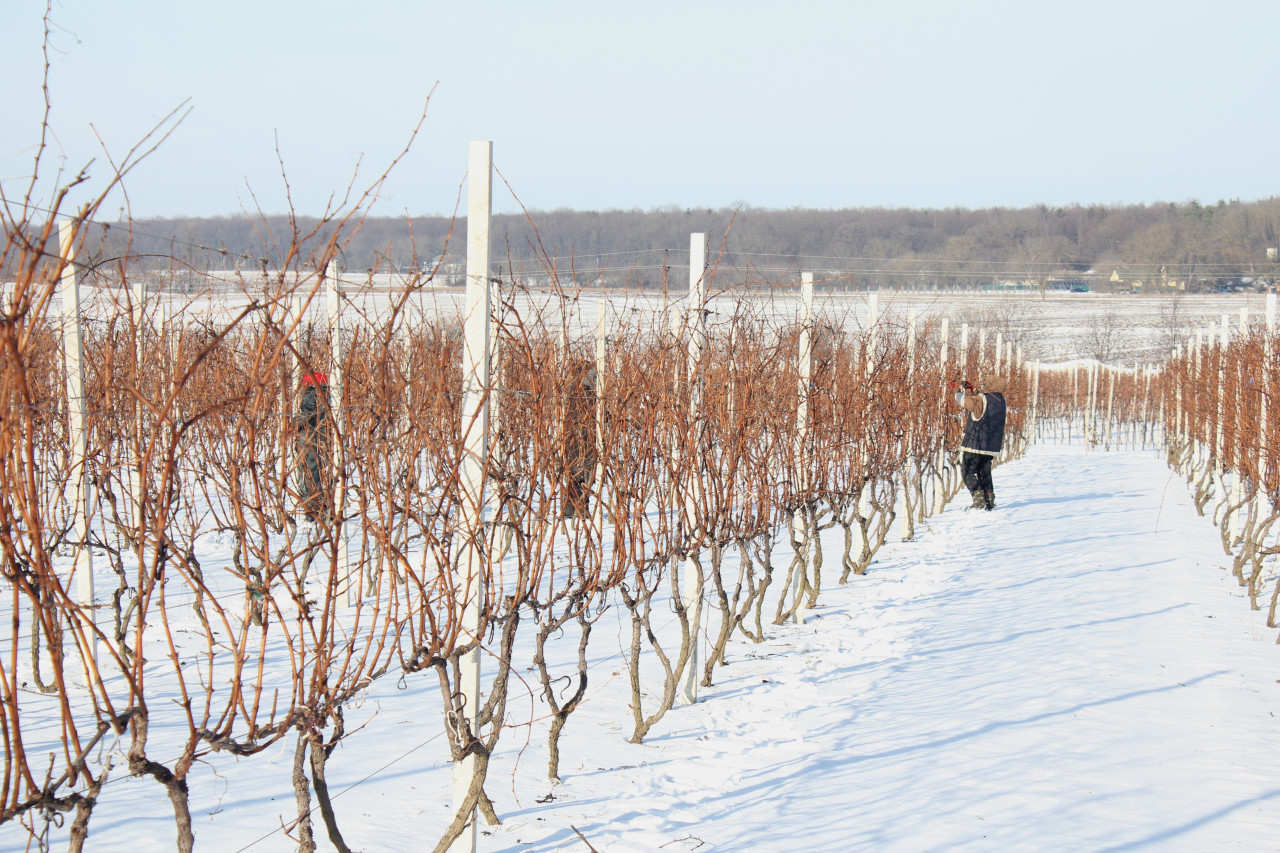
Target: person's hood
<point>994,384</point>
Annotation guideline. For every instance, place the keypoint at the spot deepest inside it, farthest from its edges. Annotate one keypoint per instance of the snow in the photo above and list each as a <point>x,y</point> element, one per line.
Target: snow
<point>1077,670</point>
<point>1052,327</point>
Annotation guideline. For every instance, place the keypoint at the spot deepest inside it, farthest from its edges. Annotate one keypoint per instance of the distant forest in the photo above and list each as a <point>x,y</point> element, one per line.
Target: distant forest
<point>1190,246</point>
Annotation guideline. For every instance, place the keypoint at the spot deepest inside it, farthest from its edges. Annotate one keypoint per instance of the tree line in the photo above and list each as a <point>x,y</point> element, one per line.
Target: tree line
<point>1202,245</point>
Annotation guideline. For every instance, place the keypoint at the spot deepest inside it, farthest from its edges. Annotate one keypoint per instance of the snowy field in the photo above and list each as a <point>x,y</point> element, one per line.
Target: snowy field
<point>1076,671</point>
<point>1124,329</point>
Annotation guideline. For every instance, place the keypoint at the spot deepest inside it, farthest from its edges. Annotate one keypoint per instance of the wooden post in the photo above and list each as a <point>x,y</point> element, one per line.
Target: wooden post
<point>1095,402</point>
<point>1177,402</point>
<point>138,475</point>
<point>1034,423</point>
<point>1086,380</point>
<point>1091,405</point>
<point>873,320</point>
<point>939,482</point>
<point>473,566</point>
<point>288,384</point>
<point>908,464</point>
<point>1197,393</point>
<point>732,402</point>
<point>691,585</point>
<point>1111,395</point>
<point>497,318</point>
<point>800,521</point>
<point>1075,401</point>
<point>78,439</point>
<point>602,365</point>
<point>1142,376</point>
<point>1237,475</point>
<point>338,427</point>
<point>873,331</point>
<point>1268,352</point>
<point>945,332</point>
<point>300,305</point>
<point>293,393</point>
<point>1219,447</point>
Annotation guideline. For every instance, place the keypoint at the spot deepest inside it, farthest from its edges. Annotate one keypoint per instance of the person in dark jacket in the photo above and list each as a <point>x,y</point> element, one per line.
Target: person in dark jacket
<point>984,408</point>
<point>578,440</point>
<point>313,446</point>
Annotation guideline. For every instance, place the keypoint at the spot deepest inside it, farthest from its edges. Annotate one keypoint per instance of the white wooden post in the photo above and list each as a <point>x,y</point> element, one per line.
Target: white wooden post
<point>1145,377</point>
<point>1086,392</point>
<point>1237,475</point>
<point>472,567</point>
<point>496,319</point>
<point>1177,404</point>
<point>733,374</point>
<point>602,365</point>
<point>1224,333</point>
<point>1111,395</point>
<point>139,296</point>
<point>287,386</point>
<point>800,521</point>
<point>873,330</point>
<point>77,438</point>
<point>691,585</point>
<point>939,484</point>
<point>293,393</point>
<point>1034,424</point>
<point>1075,401</point>
<point>1237,518</point>
<point>873,320</point>
<point>945,332</point>
<point>999,352</point>
<point>908,464</point>
<point>338,428</point>
<point>300,305</point>
<point>1197,391</point>
<point>1268,352</point>
<point>1095,391</point>
<point>1019,366</point>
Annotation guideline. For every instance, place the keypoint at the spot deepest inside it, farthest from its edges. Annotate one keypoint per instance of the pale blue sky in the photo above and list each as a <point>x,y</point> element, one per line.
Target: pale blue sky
<point>610,105</point>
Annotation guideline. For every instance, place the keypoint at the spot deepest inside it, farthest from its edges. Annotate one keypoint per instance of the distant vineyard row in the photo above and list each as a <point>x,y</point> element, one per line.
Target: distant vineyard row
<point>272,551</point>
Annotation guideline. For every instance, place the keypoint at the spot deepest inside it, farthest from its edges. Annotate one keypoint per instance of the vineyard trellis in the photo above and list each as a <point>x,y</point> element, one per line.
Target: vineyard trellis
<point>640,453</point>
<point>618,469</point>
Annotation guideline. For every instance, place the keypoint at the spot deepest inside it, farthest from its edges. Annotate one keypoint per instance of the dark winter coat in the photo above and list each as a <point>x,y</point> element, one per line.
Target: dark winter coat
<point>313,451</point>
<point>984,425</point>
<point>578,442</point>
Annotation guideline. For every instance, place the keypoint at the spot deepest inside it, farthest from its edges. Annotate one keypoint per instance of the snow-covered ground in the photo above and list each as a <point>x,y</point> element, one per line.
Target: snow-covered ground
<point>1116,328</point>
<point>1076,671</point>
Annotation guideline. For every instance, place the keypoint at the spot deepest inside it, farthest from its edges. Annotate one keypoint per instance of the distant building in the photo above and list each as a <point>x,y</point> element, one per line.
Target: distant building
<point>1068,285</point>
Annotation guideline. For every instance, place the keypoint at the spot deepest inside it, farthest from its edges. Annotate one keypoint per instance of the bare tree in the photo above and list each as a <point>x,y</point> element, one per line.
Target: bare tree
<point>1105,339</point>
